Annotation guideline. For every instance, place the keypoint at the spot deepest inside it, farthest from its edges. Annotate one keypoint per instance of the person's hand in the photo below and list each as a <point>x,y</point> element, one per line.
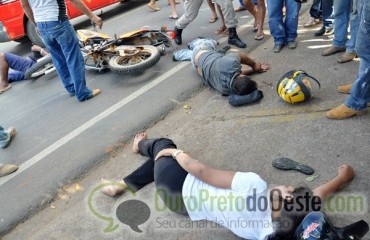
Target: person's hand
<point>36,48</point>
<point>167,152</point>
<point>261,67</point>
<point>97,21</point>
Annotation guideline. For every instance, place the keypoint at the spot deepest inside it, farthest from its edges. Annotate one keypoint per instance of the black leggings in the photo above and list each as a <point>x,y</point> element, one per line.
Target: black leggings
<point>166,173</point>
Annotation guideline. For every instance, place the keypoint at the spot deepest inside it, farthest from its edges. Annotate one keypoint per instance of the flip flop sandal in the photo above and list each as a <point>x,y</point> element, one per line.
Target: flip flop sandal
<point>255,28</point>
<point>153,7</point>
<point>224,49</point>
<point>213,19</point>
<point>225,33</point>
<point>172,17</point>
<point>289,164</point>
<point>220,30</point>
<point>259,37</point>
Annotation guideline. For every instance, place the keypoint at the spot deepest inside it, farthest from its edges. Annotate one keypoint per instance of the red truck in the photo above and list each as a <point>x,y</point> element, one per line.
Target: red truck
<point>14,24</point>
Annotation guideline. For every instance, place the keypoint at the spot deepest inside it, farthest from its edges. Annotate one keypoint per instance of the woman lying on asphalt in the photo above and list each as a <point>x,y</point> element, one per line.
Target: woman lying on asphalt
<point>240,201</point>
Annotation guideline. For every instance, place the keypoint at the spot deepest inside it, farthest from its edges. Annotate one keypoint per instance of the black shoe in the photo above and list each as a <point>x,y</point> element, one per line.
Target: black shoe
<point>224,50</point>
<point>235,40</point>
<point>320,32</point>
<point>324,30</point>
<point>289,164</point>
<point>292,45</point>
<point>329,31</point>
<point>277,47</point>
<point>178,38</point>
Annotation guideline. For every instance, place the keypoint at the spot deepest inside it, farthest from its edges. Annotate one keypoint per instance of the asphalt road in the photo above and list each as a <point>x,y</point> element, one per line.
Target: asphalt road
<point>59,138</point>
<point>242,139</point>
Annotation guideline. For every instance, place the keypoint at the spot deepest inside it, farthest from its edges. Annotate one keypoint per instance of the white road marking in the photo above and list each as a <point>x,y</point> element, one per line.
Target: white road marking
<point>55,146</point>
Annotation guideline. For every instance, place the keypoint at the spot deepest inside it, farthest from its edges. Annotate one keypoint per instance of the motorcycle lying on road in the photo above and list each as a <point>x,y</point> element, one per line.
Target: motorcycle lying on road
<point>129,53</point>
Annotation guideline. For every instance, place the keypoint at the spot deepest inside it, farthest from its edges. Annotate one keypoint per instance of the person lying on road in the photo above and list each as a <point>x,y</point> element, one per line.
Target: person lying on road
<point>13,67</point>
<point>183,183</point>
<point>223,72</point>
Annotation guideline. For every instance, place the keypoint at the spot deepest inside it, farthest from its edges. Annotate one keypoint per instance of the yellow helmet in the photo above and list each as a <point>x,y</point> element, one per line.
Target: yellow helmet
<point>295,86</point>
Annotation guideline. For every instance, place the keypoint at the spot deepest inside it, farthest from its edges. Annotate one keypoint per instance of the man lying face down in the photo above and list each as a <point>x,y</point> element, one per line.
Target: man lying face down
<point>223,72</point>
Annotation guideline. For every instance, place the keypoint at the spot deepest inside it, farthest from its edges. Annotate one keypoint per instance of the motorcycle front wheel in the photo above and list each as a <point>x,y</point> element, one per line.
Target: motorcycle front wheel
<point>135,62</point>
<point>39,68</point>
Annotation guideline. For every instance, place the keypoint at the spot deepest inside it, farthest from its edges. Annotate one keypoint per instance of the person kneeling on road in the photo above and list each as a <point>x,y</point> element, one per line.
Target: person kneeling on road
<point>18,66</point>
<point>223,72</point>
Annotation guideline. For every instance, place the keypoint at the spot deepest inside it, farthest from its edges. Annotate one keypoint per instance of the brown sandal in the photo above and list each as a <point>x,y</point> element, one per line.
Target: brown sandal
<point>220,30</point>
<point>225,33</point>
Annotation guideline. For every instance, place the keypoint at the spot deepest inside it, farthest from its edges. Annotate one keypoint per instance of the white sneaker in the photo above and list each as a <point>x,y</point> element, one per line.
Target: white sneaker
<point>311,22</point>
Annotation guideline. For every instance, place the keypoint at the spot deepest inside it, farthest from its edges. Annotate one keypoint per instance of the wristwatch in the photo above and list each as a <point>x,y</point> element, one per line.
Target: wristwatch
<point>177,152</point>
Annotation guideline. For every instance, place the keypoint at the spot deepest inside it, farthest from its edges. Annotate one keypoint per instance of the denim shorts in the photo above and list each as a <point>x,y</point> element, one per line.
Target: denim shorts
<point>19,65</point>
<point>201,44</point>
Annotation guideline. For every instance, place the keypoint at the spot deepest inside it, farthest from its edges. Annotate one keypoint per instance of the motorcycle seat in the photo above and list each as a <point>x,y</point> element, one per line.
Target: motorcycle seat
<point>88,34</point>
<point>134,33</point>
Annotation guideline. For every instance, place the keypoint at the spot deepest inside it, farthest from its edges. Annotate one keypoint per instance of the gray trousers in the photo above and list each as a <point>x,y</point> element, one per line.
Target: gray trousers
<point>227,9</point>
<point>192,8</point>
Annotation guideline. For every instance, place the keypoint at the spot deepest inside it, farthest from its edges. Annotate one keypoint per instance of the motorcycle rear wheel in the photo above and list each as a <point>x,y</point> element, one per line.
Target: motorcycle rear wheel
<point>147,58</point>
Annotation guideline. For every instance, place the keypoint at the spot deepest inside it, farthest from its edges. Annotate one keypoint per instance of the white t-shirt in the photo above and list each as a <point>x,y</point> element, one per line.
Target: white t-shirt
<point>48,10</point>
<point>244,209</point>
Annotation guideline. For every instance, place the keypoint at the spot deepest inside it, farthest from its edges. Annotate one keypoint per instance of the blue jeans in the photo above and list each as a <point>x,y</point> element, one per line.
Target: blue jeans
<point>62,43</point>
<point>18,66</point>
<point>328,13</point>
<point>342,9</point>
<point>354,24</point>
<point>4,137</point>
<point>201,44</point>
<point>360,91</point>
<point>315,11</point>
<point>283,32</point>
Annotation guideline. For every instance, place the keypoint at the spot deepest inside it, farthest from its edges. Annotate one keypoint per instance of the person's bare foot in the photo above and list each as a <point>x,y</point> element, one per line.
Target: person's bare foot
<point>346,173</point>
<point>5,88</point>
<point>138,138</point>
<point>153,7</point>
<point>11,131</point>
<point>113,188</point>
